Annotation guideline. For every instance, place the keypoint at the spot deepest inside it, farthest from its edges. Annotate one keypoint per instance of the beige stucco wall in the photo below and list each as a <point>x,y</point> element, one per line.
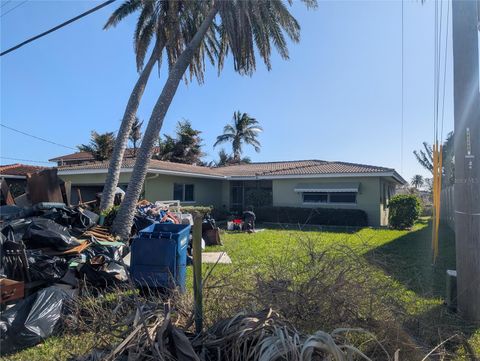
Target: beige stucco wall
<point>207,192</point>
<point>217,192</point>
<point>368,197</point>
<point>159,187</point>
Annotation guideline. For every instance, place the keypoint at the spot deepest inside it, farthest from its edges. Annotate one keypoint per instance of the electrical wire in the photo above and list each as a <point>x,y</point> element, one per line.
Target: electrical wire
<point>34,136</point>
<point>5,3</point>
<point>445,68</point>
<point>25,160</point>
<point>57,27</point>
<point>9,11</point>
<point>402,113</point>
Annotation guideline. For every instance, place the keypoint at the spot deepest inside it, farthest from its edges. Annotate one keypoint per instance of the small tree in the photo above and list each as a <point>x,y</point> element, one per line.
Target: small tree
<point>186,147</point>
<point>100,146</point>
<point>404,210</point>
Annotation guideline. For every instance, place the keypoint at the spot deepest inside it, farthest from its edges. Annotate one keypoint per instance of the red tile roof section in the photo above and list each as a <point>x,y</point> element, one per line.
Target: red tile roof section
<point>293,168</point>
<point>19,169</point>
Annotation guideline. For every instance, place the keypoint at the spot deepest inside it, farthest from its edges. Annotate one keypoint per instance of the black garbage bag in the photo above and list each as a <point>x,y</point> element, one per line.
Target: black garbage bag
<point>8,212</point>
<point>43,232</point>
<point>15,229</point>
<point>77,220</point>
<point>32,320</point>
<point>46,268</point>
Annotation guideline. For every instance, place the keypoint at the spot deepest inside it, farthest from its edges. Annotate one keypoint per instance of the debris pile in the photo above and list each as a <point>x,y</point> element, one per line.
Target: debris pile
<point>51,250</point>
<point>259,336</point>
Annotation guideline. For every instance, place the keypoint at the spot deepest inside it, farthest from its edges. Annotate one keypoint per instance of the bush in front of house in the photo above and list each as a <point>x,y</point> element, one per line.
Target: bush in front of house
<point>316,216</point>
<point>404,210</point>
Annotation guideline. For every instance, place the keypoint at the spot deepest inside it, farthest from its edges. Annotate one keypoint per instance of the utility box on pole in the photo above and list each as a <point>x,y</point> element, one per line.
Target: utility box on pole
<point>465,20</point>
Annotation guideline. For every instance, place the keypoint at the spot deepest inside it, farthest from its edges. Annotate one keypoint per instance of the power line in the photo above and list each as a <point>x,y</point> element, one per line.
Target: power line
<point>5,3</point>
<point>39,138</point>
<point>57,27</point>
<point>25,160</point>
<point>445,67</point>
<point>401,131</point>
<point>9,11</point>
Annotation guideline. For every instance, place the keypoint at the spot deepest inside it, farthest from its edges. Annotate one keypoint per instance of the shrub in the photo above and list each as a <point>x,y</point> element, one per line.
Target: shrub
<point>404,210</point>
<point>320,216</point>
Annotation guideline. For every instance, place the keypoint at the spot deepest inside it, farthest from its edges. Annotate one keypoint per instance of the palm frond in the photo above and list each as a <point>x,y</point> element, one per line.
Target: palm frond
<point>127,8</point>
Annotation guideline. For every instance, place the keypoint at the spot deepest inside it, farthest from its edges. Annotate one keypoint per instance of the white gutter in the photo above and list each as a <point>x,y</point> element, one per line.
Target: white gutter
<point>130,170</point>
<point>89,171</point>
<point>13,176</point>
<point>190,174</point>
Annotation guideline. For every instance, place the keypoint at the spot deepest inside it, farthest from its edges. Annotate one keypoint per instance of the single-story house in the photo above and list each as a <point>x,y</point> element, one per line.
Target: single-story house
<point>305,183</point>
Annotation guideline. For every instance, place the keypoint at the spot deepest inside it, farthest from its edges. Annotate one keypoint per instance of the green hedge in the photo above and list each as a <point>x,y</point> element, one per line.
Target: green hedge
<point>320,216</point>
<point>404,210</point>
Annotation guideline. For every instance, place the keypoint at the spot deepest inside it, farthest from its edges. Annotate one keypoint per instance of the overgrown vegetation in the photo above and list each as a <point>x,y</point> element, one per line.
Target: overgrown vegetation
<point>378,280</point>
<point>404,211</point>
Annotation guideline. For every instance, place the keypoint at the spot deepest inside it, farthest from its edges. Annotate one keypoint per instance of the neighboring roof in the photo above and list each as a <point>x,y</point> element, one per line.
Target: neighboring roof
<point>87,156</point>
<point>267,170</point>
<point>18,170</point>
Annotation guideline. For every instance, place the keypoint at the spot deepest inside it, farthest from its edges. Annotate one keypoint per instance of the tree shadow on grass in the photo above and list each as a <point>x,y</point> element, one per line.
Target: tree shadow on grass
<point>409,260</point>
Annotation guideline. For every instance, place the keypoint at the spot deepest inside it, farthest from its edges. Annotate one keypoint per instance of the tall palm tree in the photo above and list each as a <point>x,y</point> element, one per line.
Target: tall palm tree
<point>172,23</point>
<point>244,26</point>
<point>417,181</point>
<point>135,134</point>
<point>244,129</point>
<point>100,146</point>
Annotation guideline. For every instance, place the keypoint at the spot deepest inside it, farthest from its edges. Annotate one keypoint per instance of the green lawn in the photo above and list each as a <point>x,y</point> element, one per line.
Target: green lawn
<point>396,264</point>
<point>401,260</point>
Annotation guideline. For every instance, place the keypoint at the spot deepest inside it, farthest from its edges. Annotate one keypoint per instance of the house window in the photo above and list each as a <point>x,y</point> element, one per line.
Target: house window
<point>183,192</point>
<point>343,197</point>
<point>331,197</point>
<point>315,197</point>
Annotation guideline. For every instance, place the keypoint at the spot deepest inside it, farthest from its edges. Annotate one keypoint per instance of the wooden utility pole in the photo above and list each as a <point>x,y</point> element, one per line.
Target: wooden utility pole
<point>197,271</point>
<point>465,20</point>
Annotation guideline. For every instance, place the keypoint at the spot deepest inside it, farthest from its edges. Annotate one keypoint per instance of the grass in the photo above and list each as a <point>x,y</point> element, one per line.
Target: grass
<point>400,260</point>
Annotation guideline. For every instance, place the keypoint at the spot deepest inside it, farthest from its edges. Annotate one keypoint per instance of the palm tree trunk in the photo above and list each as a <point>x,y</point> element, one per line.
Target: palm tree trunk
<point>124,220</point>
<point>121,142</point>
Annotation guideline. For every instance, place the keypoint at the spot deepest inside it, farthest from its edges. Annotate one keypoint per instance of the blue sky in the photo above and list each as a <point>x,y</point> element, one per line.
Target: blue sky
<point>337,98</point>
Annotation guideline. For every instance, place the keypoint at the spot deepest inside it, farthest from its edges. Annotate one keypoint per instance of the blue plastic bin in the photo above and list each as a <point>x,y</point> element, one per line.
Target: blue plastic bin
<point>159,256</point>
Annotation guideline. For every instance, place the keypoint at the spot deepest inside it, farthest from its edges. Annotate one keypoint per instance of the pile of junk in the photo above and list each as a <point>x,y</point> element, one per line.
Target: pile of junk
<point>51,250</point>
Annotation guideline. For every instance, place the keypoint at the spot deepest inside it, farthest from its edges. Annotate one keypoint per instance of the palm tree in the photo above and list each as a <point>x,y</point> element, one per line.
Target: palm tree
<point>417,181</point>
<point>136,134</point>
<point>425,158</point>
<point>100,146</point>
<point>186,147</point>
<point>172,23</point>
<point>244,129</point>
<point>244,26</point>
